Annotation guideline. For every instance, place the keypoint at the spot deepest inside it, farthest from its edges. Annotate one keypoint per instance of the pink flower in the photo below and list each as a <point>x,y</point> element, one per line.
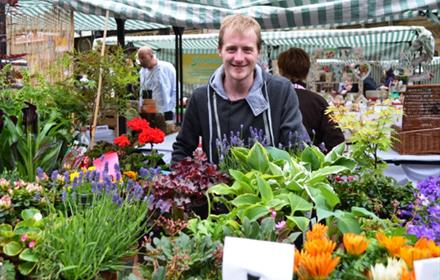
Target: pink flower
<point>5,201</point>
<point>280,225</point>
<point>273,213</point>
<point>32,244</point>
<point>24,238</point>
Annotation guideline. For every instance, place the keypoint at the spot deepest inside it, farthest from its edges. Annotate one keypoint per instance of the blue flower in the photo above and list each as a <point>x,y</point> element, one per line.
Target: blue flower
<point>54,176</point>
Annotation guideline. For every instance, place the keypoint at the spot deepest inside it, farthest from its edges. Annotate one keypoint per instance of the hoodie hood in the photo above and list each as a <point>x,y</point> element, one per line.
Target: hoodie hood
<point>255,98</point>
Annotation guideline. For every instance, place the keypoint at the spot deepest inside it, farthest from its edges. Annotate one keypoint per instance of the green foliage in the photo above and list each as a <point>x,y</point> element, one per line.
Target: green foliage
<point>7,270</point>
<point>22,149</point>
<point>117,75</point>
<point>183,257</point>
<point>18,243</point>
<point>379,194</point>
<point>370,133</point>
<point>271,181</point>
<point>95,238</point>
<point>356,267</point>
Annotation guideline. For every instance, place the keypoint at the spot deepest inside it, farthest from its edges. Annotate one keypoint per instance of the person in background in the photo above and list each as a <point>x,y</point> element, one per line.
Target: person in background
<point>294,64</point>
<point>240,96</point>
<point>158,78</point>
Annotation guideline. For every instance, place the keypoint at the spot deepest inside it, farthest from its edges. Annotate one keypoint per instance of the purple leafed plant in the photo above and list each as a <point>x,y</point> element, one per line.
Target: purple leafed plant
<point>426,210</point>
<point>184,187</point>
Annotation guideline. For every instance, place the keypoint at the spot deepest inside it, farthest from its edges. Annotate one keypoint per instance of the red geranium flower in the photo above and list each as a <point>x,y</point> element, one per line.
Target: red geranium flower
<point>122,141</point>
<point>151,135</point>
<point>138,124</point>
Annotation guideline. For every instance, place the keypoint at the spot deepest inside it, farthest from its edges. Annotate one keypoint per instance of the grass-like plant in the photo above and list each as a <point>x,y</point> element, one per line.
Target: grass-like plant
<point>94,234</point>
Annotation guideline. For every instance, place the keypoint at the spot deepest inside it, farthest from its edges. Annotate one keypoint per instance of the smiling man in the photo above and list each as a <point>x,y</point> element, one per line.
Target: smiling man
<point>240,99</point>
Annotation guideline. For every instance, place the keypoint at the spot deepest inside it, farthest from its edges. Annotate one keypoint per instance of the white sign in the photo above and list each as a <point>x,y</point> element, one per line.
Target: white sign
<point>428,269</point>
<point>247,259</point>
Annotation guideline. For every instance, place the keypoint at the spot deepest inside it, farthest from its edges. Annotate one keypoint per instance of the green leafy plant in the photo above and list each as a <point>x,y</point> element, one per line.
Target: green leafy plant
<point>92,235</point>
<point>7,270</point>
<point>183,257</point>
<point>18,243</point>
<point>290,189</point>
<point>25,150</point>
<point>371,132</point>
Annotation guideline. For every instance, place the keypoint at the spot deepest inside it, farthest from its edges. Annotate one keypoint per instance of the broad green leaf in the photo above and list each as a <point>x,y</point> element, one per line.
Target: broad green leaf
<point>298,203</point>
<point>346,222</point>
<point>264,189</point>
<point>28,214</point>
<point>330,197</point>
<point>277,204</point>
<point>12,248</point>
<point>301,222</point>
<point>26,268</point>
<point>293,185</point>
<point>240,154</point>
<point>278,154</point>
<point>322,213</point>
<point>275,169</point>
<point>253,213</point>
<point>350,164</point>
<point>258,158</point>
<point>220,189</point>
<point>239,176</point>
<point>321,174</point>
<point>28,255</point>
<point>311,156</point>
<point>335,153</point>
<point>362,212</point>
<point>5,227</point>
<point>245,199</point>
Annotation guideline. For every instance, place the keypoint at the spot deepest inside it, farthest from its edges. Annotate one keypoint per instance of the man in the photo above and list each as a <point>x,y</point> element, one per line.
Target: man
<point>294,64</point>
<point>159,78</point>
<point>239,96</point>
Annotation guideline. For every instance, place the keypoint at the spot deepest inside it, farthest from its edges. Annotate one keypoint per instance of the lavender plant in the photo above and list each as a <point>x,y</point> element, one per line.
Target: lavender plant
<point>425,210</point>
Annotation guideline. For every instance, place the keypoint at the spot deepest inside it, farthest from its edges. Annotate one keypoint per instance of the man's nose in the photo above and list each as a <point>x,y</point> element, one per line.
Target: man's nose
<point>239,55</point>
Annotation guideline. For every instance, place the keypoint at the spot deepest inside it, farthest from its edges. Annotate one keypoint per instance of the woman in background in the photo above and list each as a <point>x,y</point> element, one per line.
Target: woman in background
<point>294,64</point>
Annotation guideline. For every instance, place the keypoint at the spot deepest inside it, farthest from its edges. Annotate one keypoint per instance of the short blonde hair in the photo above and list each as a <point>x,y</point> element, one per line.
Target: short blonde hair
<point>241,24</point>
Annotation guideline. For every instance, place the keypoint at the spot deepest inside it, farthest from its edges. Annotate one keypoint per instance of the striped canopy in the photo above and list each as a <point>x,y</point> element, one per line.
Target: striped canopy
<point>269,13</point>
<point>378,43</point>
<point>82,22</point>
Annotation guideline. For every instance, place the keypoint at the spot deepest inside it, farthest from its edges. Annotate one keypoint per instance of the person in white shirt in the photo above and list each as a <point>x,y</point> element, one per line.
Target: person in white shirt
<point>159,78</point>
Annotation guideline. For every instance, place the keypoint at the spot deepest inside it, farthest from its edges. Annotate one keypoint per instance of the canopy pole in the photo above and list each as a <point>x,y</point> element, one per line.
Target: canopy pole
<point>98,94</point>
<point>3,41</point>
<point>178,31</point>
<point>120,23</point>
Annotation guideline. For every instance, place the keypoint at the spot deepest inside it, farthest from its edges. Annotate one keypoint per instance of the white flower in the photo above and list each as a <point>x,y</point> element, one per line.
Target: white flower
<point>37,217</point>
<point>392,271</point>
<point>33,187</point>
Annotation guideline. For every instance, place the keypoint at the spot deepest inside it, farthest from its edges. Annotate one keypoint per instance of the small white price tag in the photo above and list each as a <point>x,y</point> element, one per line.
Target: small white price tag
<point>428,269</point>
<point>247,259</point>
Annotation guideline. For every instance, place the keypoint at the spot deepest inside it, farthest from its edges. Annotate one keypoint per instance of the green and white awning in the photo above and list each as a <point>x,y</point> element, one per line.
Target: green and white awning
<point>269,13</point>
<point>82,22</point>
<point>378,43</point>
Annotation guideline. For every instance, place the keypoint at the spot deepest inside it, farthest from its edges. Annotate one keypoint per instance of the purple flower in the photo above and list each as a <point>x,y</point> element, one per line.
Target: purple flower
<point>40,173</point>
<point>163,205</point>
<point>117,199</point>
<point>63,196</point>
<point>54,175</point>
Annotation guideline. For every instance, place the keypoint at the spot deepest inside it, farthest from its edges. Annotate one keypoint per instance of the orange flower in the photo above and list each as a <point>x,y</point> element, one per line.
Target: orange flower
<point>407,275</point>
<point>296,259</point>
<point>410,254</point>
<point>424,243</point>
<point>392,244</point>
<point>316,267</point>
<point>131,174</point>
<point>355,244</point>
<point>319,246</point>
<point>319,231</point>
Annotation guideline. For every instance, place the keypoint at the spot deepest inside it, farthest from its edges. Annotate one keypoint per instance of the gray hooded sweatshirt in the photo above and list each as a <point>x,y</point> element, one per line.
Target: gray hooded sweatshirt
<point>271,108</point>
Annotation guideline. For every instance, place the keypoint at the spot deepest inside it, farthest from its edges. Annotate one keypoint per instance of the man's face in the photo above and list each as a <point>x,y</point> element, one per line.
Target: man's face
<point>239,54</point>
<point>146,59</point>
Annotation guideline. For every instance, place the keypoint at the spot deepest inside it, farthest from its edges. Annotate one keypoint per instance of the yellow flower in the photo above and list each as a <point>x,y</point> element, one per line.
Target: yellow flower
<point>319,246</point>
<point>131,174</point>
<point>410,254</point>
<point>316,267</point>
<point>355,244</point>
<point>73,175</point>
<point>91,168</point>
<point>392,244</point>
<point>319,231</point>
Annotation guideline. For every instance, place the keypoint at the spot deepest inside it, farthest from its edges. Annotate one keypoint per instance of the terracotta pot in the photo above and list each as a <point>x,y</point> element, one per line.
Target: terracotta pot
<point>149,106</point>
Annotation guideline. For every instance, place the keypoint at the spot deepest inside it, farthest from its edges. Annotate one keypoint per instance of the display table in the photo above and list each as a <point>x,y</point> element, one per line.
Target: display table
<point>410,168</point>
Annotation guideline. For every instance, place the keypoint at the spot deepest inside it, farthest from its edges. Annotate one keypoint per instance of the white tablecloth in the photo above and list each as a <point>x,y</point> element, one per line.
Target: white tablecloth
<point>410,168</point>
